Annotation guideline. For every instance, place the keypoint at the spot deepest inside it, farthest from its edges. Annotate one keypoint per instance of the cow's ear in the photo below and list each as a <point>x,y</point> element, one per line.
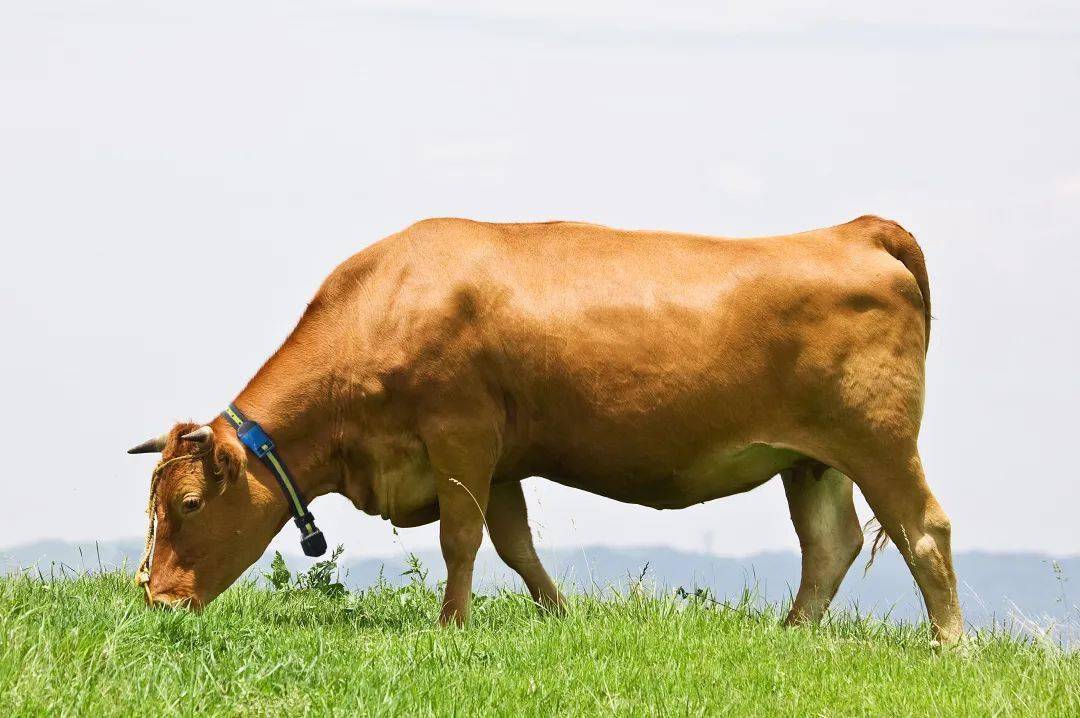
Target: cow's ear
<point>229,459</point>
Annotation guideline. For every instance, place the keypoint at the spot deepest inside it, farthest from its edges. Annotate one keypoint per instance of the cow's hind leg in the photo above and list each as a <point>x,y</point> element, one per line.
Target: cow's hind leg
<point>824,516</point>
<point>508,522</point>
<point>914,520</point>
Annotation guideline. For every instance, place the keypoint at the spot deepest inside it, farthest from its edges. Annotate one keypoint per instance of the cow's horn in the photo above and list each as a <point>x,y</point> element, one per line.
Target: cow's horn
<point>150,446</point>
<point>201,435</point>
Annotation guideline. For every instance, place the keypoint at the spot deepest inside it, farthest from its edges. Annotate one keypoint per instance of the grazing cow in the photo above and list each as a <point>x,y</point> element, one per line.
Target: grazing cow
<point>439,367</point>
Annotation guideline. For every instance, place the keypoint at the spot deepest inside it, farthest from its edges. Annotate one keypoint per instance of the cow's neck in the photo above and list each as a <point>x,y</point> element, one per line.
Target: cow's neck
<point>290,399</point>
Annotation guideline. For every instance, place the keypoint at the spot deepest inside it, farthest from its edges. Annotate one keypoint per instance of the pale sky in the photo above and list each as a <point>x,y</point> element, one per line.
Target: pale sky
<point>158,158</point>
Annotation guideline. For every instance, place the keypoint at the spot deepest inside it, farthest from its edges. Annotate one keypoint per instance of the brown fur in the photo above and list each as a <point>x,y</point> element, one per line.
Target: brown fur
<point>901,244</point>
<point>441,366</point>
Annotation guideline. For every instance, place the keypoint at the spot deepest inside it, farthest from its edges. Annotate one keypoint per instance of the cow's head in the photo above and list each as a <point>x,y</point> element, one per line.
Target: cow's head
<point>214,517</point>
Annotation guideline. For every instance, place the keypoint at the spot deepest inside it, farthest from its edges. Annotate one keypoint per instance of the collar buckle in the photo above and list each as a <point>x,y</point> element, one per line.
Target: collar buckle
<point>255,438</point>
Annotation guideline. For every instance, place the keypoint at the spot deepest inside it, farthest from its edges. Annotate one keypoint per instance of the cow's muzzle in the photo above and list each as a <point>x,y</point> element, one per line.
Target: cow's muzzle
<point>168,601</point>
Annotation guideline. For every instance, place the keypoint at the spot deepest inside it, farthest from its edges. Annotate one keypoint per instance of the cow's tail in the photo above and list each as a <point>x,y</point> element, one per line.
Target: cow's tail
<point>879,542</point>
<point>901,244</point>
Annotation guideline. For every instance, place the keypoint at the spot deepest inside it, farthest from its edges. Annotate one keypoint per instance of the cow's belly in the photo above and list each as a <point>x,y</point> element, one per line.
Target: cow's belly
<point>714,473</point>
<point>723,471</point>
<point>401,486</point>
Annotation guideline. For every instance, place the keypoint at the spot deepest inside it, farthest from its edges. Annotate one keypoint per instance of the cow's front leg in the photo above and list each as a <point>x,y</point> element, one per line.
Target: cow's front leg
<point>461,529</point>
<point>462,458</point>
<point>508,522</point>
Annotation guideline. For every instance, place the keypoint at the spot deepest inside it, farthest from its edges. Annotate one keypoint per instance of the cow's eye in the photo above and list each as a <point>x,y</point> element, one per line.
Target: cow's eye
<point>191,504</point>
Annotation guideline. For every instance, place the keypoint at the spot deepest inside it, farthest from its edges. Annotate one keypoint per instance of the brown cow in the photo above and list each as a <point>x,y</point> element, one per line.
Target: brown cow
<point>439,367</point>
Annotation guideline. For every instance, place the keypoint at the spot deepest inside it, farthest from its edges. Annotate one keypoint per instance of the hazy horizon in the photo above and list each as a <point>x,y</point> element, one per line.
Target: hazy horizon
<point>157,159</point>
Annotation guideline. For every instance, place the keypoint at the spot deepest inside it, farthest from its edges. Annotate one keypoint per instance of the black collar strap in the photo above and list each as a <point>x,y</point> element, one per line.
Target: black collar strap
<point>259,443</point>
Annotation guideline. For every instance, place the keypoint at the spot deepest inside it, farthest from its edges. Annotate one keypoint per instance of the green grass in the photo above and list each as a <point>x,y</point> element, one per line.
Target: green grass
<point>88,646</point>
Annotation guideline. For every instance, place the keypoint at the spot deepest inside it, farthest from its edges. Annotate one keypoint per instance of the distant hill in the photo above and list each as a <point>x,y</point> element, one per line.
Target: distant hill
<point>1004,586</point>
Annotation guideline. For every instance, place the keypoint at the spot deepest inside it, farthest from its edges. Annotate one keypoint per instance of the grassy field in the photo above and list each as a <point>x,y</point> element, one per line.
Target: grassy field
<point>87,646</point>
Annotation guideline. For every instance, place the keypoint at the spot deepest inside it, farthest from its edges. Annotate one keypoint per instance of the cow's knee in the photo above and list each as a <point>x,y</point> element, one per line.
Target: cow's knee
<point>460,544</point>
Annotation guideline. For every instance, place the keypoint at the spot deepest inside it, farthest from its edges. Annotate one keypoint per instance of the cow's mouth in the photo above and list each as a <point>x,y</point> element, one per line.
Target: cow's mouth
<point>171,602</point>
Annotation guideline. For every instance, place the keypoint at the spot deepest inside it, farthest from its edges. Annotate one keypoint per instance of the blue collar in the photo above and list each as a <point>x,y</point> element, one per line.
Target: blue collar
<point>259,443</point>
